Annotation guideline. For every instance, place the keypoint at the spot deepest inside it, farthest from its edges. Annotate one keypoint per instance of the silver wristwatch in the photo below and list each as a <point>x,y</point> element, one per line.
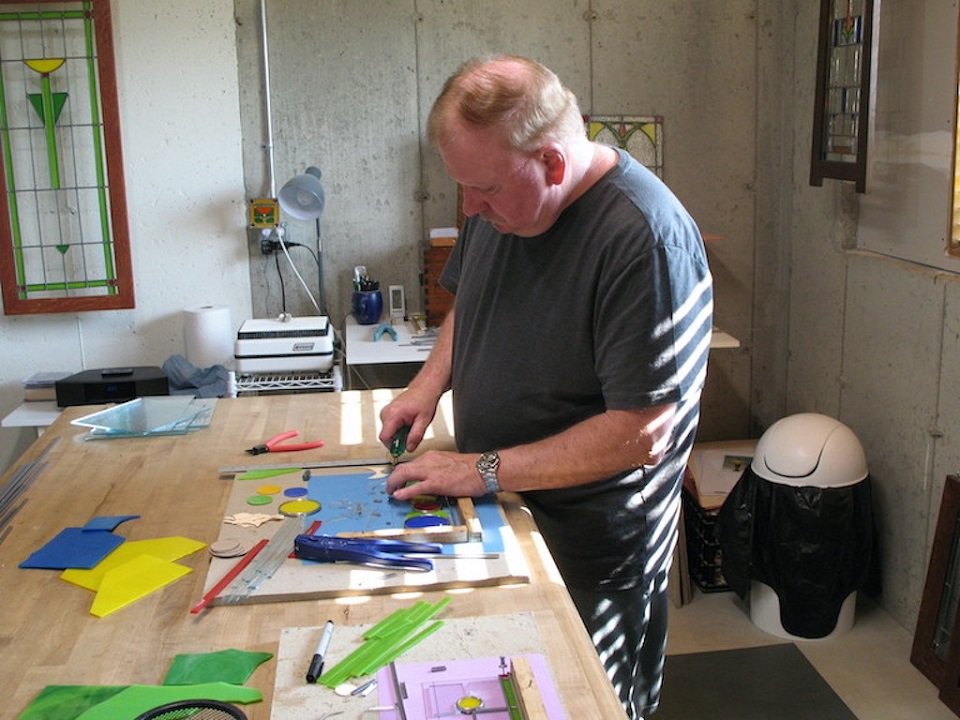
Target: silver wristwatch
<point>487,465</point>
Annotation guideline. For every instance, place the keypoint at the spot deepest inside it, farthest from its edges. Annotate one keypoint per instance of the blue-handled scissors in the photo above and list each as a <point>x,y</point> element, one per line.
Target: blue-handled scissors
<point>379,552</point>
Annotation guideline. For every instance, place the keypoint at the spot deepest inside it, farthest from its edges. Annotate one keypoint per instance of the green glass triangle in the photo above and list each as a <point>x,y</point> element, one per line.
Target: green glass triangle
<point>62,249</point>
<point>59,100</point>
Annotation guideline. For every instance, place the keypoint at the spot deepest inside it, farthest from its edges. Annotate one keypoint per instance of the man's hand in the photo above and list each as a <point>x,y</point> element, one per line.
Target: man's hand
<point>437,473</point>
<point>412,409</point>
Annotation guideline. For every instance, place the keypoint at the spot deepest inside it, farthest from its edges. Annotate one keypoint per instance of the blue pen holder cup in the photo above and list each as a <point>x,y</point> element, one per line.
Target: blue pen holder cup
<point>367,306</point>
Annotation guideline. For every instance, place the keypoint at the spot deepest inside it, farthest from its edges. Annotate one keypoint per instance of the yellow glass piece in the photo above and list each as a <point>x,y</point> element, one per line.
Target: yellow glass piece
<point>168,548</point>
<point>295,508</point>
<point>133,580</point>
<point>269,489</point>
<point>44,66</point>
<point>469,703</point>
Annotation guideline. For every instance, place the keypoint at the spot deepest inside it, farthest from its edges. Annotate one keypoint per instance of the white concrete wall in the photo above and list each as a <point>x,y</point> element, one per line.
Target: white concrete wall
<point>179,110</point>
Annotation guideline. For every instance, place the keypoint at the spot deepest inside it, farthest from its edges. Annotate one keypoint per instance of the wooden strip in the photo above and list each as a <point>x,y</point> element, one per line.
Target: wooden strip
<point>468,514</point>
<point>437,534</point>
<point>531,702</point>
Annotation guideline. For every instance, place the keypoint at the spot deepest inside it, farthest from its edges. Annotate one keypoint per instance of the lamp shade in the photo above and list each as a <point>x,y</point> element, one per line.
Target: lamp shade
<point>302,197</point>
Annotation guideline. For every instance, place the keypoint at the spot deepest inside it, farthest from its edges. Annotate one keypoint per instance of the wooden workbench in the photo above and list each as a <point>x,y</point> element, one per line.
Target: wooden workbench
<point>49,637</point>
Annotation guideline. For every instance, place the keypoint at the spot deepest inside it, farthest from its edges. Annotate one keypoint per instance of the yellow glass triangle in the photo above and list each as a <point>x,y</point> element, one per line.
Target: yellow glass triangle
<point>133,580</point>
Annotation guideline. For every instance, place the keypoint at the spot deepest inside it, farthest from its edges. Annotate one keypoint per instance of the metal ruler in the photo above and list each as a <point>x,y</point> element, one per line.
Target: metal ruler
<point>265,564</point>
<point>317,464</point>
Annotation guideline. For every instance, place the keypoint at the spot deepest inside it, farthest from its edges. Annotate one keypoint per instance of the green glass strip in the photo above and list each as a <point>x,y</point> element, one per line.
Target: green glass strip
<point>67,285</point>
<point>17,237</point>
<point>49,130</point>
<point>351,664</point>
<point>510,695</point>
<point>386,641</point>
<point>392,622</point>
<point>110,270</point>
<point>260,474</point>
<point>391,654</point>
<point>43,15</point>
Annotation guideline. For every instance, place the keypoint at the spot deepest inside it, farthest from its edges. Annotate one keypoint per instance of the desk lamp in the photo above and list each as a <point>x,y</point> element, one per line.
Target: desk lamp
<point>302,197</point>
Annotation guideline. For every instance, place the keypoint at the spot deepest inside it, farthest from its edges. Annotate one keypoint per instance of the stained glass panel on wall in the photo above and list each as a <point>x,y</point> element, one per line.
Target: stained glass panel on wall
<point>641,136</point>
<point>843,92</point>
<point>63,225</point>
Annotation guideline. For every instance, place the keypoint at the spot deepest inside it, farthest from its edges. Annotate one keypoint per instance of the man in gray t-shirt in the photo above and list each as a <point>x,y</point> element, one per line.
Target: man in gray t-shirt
<point>576,351</point>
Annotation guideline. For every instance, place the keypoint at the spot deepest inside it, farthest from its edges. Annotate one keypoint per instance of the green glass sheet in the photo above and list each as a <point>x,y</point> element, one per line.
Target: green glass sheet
<point>67,702</point>
<point>137,699</point>
<point>232,666</point>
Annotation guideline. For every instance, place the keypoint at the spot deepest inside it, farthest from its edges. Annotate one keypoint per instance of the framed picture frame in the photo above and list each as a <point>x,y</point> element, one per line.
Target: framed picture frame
<point>842,100</point>
<point>936,650</point>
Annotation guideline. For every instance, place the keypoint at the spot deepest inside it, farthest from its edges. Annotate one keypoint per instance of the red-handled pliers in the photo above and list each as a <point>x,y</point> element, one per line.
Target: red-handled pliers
<point>273,444</point>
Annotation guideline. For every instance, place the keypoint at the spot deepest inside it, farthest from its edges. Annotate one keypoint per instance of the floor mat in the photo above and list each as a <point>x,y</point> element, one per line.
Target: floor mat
<point>761,683</point>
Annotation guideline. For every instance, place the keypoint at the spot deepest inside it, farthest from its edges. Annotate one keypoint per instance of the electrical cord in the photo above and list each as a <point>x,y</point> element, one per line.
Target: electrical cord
<point>277,240</point>
<point>283,290</point>
<point>283,246</point>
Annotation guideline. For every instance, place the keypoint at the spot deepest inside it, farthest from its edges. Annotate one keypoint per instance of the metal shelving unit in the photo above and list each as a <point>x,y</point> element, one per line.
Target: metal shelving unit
<point>289,382</point>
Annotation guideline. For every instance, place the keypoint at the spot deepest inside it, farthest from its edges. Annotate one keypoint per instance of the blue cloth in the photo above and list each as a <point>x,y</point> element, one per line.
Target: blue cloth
<point>185,378</point>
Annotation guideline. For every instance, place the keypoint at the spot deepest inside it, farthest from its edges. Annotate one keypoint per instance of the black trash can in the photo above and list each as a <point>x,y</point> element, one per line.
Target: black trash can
<point>796,532</point>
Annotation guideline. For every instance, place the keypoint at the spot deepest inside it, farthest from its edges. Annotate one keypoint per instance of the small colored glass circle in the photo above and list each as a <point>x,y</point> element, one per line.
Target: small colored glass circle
<point>432,513</point>
<point>296,508</point>
<point>259,500</point>
<point>426,505</point>
<point>424,521</point>
<point>469,704</point>
<point>295,492</point>
<point>269,489</point>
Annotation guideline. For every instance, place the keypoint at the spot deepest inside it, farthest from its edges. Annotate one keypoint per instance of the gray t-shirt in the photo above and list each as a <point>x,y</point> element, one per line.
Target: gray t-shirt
<point>610,308</point>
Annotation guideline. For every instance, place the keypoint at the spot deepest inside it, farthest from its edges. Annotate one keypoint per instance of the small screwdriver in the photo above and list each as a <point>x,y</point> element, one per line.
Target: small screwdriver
<point>398,444</point>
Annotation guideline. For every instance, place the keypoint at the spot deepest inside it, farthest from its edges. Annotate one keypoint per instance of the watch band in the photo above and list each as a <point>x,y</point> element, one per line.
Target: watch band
<point>487,465</point>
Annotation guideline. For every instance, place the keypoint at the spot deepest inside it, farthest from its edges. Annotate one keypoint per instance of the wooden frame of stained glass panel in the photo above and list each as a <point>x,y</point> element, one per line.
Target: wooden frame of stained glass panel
<point>935,636</point>
<point>842,101</point>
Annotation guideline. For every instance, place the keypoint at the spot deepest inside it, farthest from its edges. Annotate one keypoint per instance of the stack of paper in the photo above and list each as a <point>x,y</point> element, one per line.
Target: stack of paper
<point>715,467</point>
<point>42,385</point>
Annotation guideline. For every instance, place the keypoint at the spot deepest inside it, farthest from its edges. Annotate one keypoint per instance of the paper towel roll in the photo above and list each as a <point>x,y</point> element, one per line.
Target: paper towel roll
<point>208,335</point>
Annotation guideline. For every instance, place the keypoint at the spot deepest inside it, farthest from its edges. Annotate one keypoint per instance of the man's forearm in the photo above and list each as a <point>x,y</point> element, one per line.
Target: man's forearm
<point>594,449</point>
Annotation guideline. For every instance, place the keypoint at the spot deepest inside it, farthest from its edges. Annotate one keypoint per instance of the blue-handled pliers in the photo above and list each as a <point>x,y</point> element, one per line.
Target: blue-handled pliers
<point>379,552</point>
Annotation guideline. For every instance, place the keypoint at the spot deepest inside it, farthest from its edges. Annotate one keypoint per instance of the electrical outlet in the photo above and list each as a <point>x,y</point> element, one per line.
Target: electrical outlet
<point>268,245</point>
<point>270,240</point>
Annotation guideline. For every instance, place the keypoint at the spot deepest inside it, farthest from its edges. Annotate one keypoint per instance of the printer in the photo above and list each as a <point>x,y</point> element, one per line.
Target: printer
<point>284,344</point>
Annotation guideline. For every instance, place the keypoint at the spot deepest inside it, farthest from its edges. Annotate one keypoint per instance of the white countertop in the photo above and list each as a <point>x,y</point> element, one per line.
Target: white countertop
<point>361,349</point>
<point>37,414</point>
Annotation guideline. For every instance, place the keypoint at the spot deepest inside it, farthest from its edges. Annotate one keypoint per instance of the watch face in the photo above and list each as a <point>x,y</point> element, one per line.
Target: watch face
<point>487,465</point>
<point>488,462</point>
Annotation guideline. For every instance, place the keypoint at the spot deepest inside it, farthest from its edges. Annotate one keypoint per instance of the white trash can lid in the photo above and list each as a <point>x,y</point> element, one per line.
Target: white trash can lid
<point>809,449</point>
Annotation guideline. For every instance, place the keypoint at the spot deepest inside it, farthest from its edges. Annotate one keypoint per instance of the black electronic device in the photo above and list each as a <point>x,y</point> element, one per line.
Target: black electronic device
<point>119,384</point>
